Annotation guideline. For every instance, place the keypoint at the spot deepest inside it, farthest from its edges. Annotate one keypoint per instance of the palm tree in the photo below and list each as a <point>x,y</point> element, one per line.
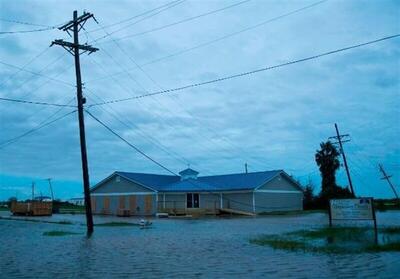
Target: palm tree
<point>328,163</point>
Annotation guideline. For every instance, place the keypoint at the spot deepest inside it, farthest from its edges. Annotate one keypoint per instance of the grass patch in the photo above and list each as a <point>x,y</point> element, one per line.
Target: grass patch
<point>116,224</point>
<point>59,233</point>
<point>338,240</point>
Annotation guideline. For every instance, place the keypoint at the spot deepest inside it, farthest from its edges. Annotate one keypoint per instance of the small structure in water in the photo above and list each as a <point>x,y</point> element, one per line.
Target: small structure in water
<point>32,208</point>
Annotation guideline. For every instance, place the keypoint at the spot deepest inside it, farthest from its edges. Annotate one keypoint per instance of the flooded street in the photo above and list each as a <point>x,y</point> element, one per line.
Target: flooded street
<point>204,248</point>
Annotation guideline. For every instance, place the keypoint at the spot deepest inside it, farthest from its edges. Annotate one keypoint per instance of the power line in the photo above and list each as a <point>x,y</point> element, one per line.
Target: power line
<point>35,102</point>
<point>136,16</point>
<point>25,65</point>
<point>38,73</point>
<point>27,31</point>
<point>140,20</point>
<point>183,20</point>
<point>166,168</point>
<point>11,141</point>
<point>116,115</point>
<point>249,72</point>
<point>24,23</point>
<point>128,143</point>
<point>44,27</point>
<point>218,39</point>
<point>152,80</point>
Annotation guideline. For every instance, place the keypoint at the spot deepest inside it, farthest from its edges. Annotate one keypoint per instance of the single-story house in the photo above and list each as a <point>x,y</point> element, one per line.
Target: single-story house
<point>189,193</point>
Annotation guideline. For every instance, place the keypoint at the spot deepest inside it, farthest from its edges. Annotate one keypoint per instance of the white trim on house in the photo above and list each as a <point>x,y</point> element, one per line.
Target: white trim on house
<point>164,200</point>
<point>279,191</point>
<point>123,194</point>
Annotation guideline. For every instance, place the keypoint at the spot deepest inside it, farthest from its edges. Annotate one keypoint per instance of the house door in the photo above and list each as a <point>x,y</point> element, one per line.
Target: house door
<point>192,200</point>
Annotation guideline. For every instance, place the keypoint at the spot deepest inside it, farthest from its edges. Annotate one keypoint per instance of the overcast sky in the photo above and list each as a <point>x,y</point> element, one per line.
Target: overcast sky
<point>271,120</point>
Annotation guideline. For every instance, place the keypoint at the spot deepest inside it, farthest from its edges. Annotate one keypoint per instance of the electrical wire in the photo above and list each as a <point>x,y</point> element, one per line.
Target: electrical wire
<point>140,20</point>
<point>27,31</point>
<point>38,73</point>
<point>128,143</point>
<point>249,72</point>
<point>169,170</point>
<point>156,83</point>
<point>134,127</point>
<point>217,39</point>
<point>136,16</point>
<point>25,65</point>
<point>183,20</point>
<point>44,27</point>
<point>40,126</point>
<point>35,102</point>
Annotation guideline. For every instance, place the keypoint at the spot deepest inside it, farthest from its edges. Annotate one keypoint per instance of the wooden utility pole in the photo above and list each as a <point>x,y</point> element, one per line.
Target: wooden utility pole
<point>387,178</point>
<point>74,48</point>
<point>340,140</point>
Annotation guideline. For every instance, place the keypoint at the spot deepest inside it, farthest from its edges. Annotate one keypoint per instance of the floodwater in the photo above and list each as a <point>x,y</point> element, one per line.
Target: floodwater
<point>204,248</point>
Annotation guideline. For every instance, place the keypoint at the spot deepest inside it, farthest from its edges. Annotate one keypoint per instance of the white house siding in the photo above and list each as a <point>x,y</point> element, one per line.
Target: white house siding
<point>111,190</point>
<point>175,200</point>
<point>268,202</point>
<point>238,201</point>
<point>280,182</point>
<point>210,201</point>
<point>279,194</point>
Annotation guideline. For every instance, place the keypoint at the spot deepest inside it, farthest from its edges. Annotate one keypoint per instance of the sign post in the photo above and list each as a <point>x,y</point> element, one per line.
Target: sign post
<point>359,209</point>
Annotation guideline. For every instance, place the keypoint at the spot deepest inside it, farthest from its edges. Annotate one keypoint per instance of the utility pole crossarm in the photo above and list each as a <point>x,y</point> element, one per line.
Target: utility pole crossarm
<point>69,26</point>
<point>72,46</point>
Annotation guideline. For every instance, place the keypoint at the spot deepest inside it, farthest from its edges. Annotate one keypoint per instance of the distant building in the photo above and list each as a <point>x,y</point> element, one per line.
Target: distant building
<point>148,194</point>
<point>77,201</point>
<point>43,198</point>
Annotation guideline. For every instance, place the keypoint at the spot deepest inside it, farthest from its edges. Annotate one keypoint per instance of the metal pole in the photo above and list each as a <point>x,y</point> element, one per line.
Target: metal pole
<point>344,159</point>
<point>33,190</point>
<point>81,100</point>
<point>51,189</point>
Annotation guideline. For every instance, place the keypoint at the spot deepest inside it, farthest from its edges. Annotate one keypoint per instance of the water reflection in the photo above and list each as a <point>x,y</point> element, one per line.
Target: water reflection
<point>208,248</point>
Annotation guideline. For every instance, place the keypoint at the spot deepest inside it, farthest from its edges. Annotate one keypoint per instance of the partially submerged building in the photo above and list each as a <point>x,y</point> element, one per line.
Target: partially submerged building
<point>128,193</point>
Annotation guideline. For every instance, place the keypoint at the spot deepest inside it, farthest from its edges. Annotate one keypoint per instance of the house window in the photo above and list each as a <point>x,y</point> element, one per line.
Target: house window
<point>192,200</point>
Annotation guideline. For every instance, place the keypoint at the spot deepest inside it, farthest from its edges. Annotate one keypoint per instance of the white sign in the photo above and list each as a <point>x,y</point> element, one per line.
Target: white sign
<point>352,209</point>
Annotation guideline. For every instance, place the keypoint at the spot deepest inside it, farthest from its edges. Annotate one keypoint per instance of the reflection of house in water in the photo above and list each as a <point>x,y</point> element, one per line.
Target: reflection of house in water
<point>125,193</point>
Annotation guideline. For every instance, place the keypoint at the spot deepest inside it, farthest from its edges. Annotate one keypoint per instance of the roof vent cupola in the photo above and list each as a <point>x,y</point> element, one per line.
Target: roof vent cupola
<point>188,174</point>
